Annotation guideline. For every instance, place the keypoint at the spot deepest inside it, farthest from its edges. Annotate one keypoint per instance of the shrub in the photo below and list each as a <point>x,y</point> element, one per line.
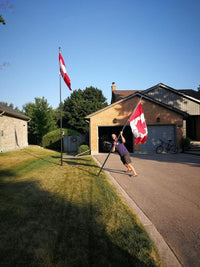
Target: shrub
<point>52,139</point>
<point>185,143</point>
<point>84,148</point>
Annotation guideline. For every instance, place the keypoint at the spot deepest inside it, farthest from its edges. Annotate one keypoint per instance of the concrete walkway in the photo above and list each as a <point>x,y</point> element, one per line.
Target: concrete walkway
<point>166,197</point>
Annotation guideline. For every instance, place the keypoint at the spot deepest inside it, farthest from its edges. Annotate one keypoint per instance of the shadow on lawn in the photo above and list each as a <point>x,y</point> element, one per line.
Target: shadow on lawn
<point>78,162</point>
<point>42,158</point>
<point>38,228</point>
<point>6,173</point>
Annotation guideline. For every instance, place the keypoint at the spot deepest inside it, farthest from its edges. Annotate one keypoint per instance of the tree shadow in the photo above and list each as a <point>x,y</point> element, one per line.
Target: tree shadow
<point>38,228</point>
<point>7,173</point>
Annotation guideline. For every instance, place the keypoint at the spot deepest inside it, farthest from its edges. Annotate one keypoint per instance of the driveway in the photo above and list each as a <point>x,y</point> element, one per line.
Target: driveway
<point>167,190</point>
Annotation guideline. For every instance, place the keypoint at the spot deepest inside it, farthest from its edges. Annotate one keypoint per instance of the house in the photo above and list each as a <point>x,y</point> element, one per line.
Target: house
<point>13,129</point>
<point>169,114</point>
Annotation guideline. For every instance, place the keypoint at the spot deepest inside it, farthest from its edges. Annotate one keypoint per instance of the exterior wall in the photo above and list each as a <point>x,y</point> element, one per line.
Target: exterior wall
<point>13,133</point>
<point>170,98</point>
<point>122,110</point>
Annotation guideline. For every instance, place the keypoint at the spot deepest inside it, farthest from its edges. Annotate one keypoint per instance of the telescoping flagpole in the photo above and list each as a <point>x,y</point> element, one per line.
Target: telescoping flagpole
<point>118,137</point>
<point>61,133</point>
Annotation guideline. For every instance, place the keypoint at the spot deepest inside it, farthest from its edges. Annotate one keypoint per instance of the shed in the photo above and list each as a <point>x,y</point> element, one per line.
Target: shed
<point>13,129</point>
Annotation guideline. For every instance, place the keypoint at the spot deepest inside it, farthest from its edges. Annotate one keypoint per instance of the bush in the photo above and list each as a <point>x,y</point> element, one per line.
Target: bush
<point>51,140</point>
<point>84,148</point>
<point>185,143</point>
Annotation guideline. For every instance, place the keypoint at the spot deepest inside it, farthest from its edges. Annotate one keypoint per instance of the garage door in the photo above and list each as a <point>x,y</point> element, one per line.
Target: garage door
<point>156,132</point>
<point>105,138</point>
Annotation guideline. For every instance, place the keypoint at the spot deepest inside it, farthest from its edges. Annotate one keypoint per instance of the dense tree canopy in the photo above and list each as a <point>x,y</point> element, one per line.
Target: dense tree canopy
<point>42,118</point>
<point>80,104</point>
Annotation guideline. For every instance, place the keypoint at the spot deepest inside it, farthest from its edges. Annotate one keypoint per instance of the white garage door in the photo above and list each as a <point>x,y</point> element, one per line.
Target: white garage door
<point>156,132</point>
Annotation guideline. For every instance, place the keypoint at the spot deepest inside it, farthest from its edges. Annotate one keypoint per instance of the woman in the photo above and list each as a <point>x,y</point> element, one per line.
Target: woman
<point>118,145</point>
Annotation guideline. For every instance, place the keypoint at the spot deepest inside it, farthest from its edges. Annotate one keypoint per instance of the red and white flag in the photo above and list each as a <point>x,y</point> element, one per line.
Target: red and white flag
<point>138,125</point>
<point>63,71</point>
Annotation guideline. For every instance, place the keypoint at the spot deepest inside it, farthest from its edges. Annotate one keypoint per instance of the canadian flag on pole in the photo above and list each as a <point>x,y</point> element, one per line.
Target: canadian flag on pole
<point>138,125</point>
<point>63,71</point>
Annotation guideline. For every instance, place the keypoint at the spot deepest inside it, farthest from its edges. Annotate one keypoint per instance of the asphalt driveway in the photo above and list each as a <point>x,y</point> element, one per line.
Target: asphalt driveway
<point>167,190</point>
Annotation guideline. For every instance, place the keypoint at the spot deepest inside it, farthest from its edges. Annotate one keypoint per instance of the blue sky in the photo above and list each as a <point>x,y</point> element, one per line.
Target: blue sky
<point>135,43</point>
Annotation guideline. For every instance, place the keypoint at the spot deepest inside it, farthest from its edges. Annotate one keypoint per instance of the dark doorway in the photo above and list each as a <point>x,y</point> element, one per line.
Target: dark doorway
<point>105,138</point>
<point>191,127</point>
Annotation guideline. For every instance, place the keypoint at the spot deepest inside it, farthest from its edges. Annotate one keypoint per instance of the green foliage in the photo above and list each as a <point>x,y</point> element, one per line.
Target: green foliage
<point>2,20</point>
<point>79,105</point>
<point>11,106</point>
<point>83,148</point>
<point>52,139</point>
<point>42,117</point>
<point>185,142</point>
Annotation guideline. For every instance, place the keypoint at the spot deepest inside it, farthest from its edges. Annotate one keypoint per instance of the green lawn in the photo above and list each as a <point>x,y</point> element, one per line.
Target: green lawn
<point>52,215</point>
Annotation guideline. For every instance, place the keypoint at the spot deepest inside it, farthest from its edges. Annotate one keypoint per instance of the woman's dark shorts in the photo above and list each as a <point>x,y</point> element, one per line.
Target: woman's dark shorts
<point>126,158</point>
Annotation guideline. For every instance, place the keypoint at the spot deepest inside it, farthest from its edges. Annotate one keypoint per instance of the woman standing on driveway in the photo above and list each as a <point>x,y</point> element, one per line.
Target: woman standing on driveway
<point>119,147</point>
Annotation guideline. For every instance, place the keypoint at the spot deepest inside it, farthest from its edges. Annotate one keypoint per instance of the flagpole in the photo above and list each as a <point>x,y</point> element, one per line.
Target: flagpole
<point>118,137</point>
<point>61,134</point>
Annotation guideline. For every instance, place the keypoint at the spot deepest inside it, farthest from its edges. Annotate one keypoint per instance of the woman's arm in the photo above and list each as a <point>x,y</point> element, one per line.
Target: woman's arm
<point>113,148</point>
<point>123,139</point>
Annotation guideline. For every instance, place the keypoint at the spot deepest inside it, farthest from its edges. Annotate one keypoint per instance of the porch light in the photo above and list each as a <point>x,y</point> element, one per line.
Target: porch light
<point>114,120</point>
<point>158,119</point>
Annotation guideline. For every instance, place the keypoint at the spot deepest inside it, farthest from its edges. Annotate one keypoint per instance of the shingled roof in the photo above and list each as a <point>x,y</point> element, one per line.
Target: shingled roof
<point>190,92</point>
<point>121,94</point>
<point>5,110</point>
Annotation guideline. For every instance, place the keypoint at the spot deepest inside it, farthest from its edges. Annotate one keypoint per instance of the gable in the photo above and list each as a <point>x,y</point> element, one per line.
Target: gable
<point>174,98</point>
<point>120,104</point>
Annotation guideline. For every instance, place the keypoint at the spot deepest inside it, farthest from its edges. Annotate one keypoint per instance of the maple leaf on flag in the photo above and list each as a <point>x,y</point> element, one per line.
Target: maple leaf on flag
<point>138,125</point>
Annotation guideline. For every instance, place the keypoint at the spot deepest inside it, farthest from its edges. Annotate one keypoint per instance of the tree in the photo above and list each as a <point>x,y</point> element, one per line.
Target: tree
<point>2,20</point>
<point>11,106</point>
<point>79,105</point>
<point>42,118</point>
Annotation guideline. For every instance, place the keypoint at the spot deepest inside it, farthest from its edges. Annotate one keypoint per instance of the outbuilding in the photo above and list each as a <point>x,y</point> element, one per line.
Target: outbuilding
<point>13,129</point>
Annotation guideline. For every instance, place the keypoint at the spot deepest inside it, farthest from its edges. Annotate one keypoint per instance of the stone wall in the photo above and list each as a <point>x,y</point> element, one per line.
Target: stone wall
<point>13,133</point>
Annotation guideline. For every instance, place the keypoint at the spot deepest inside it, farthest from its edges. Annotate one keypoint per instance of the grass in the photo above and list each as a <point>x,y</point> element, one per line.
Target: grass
<point>52,215</point>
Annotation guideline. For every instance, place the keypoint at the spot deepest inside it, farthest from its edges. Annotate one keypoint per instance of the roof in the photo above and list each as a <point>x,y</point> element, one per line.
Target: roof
<point>144,97</point>
<point>5,110</point>
<point>120,94</point>
<point>190,92</point>
<point>185,93</point>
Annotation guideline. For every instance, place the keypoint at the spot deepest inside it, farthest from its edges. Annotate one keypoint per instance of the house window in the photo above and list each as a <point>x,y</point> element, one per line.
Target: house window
<point>1,132</point>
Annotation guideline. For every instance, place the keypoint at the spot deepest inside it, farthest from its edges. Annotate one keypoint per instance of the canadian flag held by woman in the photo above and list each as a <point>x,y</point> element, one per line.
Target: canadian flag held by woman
<point>138,125</point>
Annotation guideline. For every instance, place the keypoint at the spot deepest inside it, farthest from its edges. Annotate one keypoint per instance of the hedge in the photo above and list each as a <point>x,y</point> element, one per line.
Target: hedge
<point>52,139</point>
<point>84,149</point>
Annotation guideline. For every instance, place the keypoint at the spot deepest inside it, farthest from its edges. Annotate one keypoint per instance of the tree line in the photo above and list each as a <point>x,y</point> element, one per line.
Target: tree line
<point>75,108</point>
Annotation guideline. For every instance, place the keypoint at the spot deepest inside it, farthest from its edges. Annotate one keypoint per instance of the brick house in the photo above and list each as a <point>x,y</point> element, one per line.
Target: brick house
<point>163,121</point>
<point>13,129</point>
<point>186,100</point>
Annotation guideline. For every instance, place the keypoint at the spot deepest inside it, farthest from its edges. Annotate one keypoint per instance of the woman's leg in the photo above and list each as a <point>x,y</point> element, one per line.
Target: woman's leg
<point>130,167</point>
